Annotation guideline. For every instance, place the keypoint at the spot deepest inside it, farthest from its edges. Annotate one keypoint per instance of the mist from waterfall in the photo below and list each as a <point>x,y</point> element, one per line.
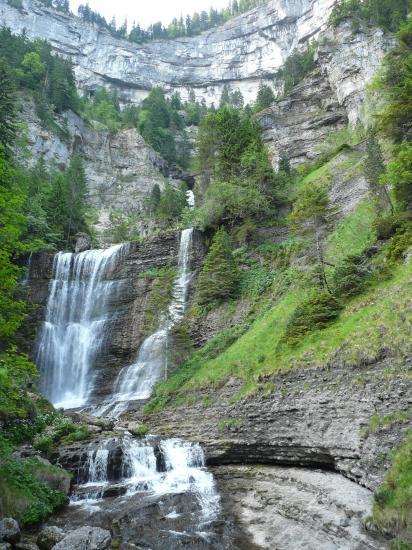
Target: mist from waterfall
<point>76,323</point>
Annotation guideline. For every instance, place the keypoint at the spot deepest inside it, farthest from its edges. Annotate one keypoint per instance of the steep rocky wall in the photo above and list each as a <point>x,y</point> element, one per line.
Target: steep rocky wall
<point>245,50</point>
<point>121,168</point>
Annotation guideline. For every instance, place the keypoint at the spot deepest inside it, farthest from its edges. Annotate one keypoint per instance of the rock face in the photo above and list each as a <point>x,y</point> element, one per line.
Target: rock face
<point>295,126</point>
<point>245,50</point>
<point>121,169</point>
<point>282,507</point>
<point>312,417</point>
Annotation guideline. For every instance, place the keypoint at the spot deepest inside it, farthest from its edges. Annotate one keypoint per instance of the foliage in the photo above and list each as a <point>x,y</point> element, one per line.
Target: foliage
<point>218,277</point>
<point>17,375</point>
<point>60,431</point>
<point>315,313</point>
<point>392,502</point>
<point>265,97</point>
<point>235,168</point>
<point>160,295</point>
<point>7,109</point>
<point>349,276</point>
<point>190,25</point>
<point>395,86</point>
<point>399,175</point>
<point>374,168</point>
<point>48,76</point>
<point>296,67</point>
<point>22,494</point>
<point>386,14</point>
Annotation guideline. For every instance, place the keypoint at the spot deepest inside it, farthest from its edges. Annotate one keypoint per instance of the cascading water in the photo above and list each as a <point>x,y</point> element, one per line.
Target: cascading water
<point>136,381</point>
<point>76,323</point>
<point>182,470</point>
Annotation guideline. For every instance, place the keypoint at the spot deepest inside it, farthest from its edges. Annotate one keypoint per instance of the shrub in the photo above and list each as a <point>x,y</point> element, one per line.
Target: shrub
<point>393,500</point>
<point>349,276</point>
<point>22,495</point>
<point>315,313</point>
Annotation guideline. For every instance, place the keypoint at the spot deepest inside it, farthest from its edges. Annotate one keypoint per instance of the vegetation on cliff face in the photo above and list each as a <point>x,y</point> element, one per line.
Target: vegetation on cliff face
<point>392,507</point>
<point>190,25</point>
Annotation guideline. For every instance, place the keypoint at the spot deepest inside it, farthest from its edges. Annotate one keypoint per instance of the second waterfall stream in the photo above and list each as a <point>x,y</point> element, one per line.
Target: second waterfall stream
<point>136,381</point>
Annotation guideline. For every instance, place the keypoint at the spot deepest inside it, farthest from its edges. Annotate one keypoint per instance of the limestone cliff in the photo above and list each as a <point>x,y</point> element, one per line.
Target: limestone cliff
<point>245,50</point>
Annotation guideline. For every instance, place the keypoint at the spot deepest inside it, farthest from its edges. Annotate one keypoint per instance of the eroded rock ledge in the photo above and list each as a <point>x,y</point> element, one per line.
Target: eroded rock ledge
<point>312,417</point>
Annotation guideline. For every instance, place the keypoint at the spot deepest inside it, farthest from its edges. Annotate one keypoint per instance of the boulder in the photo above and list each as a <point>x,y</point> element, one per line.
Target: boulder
<point>9,530</point>
<point>49,537</point>
<point>26,546</point>
<point>83,242</point>
<point>5,546</point>
<point>85,538</point>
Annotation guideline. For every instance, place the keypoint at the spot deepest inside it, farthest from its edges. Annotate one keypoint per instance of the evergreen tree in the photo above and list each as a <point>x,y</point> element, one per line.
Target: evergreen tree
<point>7,109</point>
<point>12,227</point>
<point>373,169</point>
<point>218,277</point>
<point>310,216</point>
<point>265,97</point>
<point>225,97</point>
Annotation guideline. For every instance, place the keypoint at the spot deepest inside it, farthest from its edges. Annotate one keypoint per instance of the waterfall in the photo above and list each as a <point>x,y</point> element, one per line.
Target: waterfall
<point>77,318</point>
<point>136,381</point>
<point>182,470</point>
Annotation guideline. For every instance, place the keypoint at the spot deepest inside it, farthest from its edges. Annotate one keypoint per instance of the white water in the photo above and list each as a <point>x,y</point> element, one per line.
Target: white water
<point>185,472</point>
<point>136,381</point>
<point>76,323</point>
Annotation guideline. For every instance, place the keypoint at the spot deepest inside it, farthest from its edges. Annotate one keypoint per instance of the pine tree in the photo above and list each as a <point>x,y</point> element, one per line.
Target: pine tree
<point>218,278</point>
<point>373,170</point>
<point>265,97</point>
<point>7,109</point>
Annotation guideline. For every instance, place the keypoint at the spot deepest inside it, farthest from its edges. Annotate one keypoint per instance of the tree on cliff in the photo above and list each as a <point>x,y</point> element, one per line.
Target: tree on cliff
<point>265,97</point>
<point>7,108</point>
<point>218,278</point>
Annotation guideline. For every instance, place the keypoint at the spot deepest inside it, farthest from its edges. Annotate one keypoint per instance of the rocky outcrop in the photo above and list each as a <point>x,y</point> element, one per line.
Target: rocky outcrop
<point>92,538</point>
<point>295,126</point>
<point>121,169</point>
<point>350,60</point>
<point>282,507</point>
<point>317,418</point>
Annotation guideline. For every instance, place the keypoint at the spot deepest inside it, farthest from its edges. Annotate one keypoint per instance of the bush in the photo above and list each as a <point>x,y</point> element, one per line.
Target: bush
<point>296,67</point>
<point>22,495</point>
<point>392,504</point>
<point>349,276</point>
<point>313,314</point>
<point>387,14</point>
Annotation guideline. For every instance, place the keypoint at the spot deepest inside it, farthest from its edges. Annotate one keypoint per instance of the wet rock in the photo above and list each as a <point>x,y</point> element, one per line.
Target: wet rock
<point>9,530</point>
<point>49,537</point>
<point>114,491</point>
<point>26,546</point>
<point>5,546</point>
<point>85,538</point>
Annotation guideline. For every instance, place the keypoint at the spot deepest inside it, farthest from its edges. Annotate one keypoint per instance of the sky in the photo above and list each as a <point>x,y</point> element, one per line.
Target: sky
<point>149,11</point>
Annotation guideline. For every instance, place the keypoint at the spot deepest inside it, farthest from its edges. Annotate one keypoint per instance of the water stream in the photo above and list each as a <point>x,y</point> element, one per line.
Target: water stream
<point>136,381</point>
<point>76,324</point>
